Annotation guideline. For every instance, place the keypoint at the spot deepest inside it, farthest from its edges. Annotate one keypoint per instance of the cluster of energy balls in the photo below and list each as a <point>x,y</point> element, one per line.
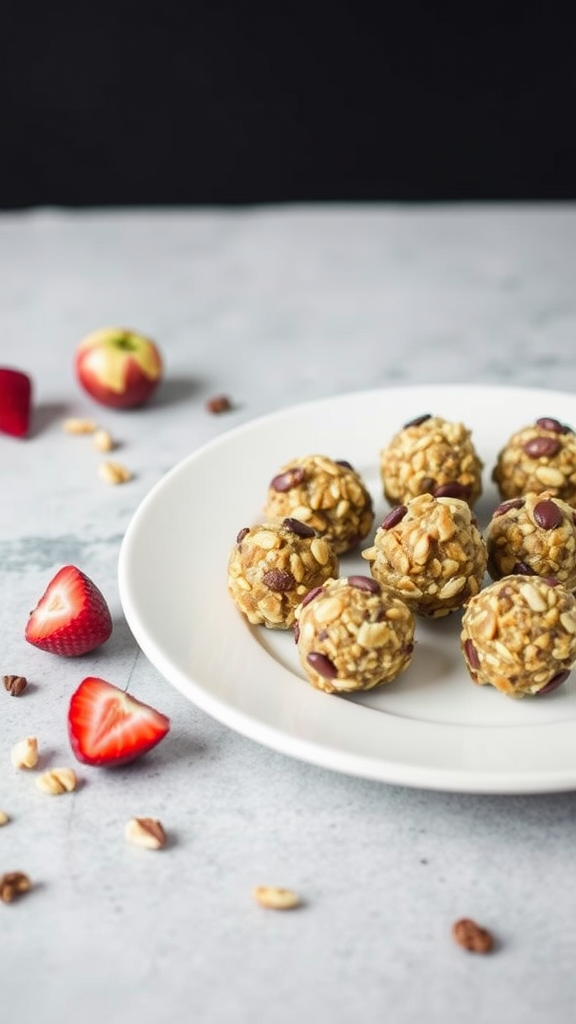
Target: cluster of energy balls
<point>513,582</point>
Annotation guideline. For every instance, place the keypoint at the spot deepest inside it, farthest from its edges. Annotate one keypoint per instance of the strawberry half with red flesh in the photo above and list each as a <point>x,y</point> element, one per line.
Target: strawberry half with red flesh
<point>107,726</point>
<point>15,402</point>
<point>71,617</point>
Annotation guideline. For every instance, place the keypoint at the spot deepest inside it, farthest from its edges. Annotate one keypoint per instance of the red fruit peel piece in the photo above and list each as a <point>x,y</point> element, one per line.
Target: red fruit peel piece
<point>15,402</point>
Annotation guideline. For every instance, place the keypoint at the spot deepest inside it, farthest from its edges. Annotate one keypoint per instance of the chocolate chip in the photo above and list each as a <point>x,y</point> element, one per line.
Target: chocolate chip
<point>322,665</point>
<point>549,423</point>
<point>364,583</point>
<point>311,595</point>
<point>452,489</point>
<point>296,631</point>
<point>507,506</point>
<point>553,683</point>
<point>291,478</point>
<point>345,463</point>
<point>279,580</point>
<point>395,516</point>
<point>418,420</point>
<point>471,654</point>
<point>547,514</point>
<point>522,569</point>
<point>539,447</point>
<point>241,534</point>
<point>295,526</point>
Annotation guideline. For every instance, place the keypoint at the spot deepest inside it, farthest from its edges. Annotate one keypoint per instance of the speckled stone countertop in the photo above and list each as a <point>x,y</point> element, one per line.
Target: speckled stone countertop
<point>273,307</point>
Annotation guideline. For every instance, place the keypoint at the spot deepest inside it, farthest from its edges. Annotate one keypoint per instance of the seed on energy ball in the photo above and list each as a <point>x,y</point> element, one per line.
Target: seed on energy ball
<point>322,664</point>
<point>536,447</point>
<point>394,517</point>
<point>549,423</point>
<point>297,527</point>
<point>547,515</point>
<point>365,583</point>
<point>286,481</point>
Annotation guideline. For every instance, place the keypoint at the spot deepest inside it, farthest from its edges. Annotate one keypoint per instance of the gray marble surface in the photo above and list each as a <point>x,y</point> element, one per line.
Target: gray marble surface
<point>274,307</point>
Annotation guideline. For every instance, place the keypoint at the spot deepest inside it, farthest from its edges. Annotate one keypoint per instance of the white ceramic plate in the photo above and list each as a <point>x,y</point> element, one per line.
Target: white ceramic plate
<point>431,728</point>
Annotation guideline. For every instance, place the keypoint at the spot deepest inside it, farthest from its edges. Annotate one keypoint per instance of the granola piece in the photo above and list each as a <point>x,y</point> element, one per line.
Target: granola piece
<point>431,553</point>
<point>538,457</point>
<point>533,536</point>
<point>353,634</point>
<point>330,496</point>
<point>273,565</point>
<point>431,455</point>
<point>519,635</point>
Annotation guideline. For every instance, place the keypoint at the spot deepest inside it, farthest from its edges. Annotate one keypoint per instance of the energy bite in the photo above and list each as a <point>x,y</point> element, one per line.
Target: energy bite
<point>431,455</point>
<point>328,495</point>
<point>353,634</point>
<point>273,565</point>
<point>432,554</point>
<point>537,458</point>
<point>533,536</point>
<point>519,635</point>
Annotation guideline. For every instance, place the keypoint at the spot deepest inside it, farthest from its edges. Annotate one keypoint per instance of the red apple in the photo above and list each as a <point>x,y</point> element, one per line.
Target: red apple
<point>118,367</point>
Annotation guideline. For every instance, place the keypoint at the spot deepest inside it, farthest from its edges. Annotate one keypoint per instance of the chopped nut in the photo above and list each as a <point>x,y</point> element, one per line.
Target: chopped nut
<point>275,898</point>
<point>471,936</point>
<point>219,403</point>
<point>114,473</point>
<point>145,832</point>
<point>75,425</point>
<point>57,781</point>
<point>4,819</point>
<point>103,441</point>
<point>24,754</point>
<point>15,685</point>
<point>13,884</point>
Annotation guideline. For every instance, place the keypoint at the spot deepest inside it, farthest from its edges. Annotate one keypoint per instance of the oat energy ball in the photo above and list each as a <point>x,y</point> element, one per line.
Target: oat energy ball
<point>537,458</point>
<point>431,553</point>
<point>272,566</point>
<point>431,455</point>
<point>533,536</point>
<point>519,635</point>
<point>329,496</point>
<point>353,634</point>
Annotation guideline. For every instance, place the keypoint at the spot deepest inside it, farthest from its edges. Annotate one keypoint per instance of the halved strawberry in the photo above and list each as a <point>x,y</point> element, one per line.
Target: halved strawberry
<point>15,402</point>
<point>106,726</point>
<point>71,617</point>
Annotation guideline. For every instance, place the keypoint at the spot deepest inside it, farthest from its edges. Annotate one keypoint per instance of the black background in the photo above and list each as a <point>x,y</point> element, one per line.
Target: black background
<point>148,102</point>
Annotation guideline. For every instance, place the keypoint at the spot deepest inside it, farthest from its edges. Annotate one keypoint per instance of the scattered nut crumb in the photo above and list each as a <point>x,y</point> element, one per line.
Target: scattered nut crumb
<point>57,781</point>
<point>218,403</point>
<point>15,685</point>
<point>75,425</point>
<point>103,440</point>
<point>145,832</point>
<point>24,753</point>
<point>472,936</point>
<point>275,898</point>
<point>4,819</point>
<point>13,884</point>
<point>114,473</point>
